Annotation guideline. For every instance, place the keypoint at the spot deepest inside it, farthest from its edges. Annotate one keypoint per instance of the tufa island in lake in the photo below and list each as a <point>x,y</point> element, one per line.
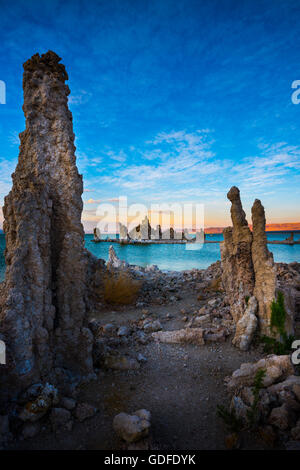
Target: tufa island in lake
<point>109,355</point>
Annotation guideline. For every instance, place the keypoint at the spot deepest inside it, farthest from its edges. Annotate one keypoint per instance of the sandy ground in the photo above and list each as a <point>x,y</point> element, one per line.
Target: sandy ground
<point>180,385</point>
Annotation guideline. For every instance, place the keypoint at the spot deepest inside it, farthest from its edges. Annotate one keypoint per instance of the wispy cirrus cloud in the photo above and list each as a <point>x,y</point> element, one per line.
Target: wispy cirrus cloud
<point>118,157</point>
<point>271,168</point>
<point>184,166</point>
<point>176,157</point>
<point>79,98</point>
<point>87,161</point>
<point>14,138</point>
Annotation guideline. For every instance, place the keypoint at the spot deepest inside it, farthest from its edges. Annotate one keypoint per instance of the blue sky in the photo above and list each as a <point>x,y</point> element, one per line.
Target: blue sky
<point>173,101</point>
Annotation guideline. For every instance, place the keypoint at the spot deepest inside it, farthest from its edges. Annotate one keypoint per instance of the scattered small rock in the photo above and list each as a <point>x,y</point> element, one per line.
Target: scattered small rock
<point>203,320</point>
<point>152,327</point>
<point>84,411</point>
<point>59,417</point>
<point>276,367</point>
<point>30,430</point>
<point>109,328</point>
<point>124,331</point>
<point>36,409</point>
<point>141,358</point>
<point>141,337</point>
<point>279,417</point>
<point>119,362</point>
<point>132,428</point>
<point>68,403</point>
<point>186,335</point>
<point>4,424</point>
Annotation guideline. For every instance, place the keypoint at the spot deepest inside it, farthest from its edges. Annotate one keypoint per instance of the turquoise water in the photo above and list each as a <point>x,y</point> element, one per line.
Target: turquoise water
<point>175,257</point>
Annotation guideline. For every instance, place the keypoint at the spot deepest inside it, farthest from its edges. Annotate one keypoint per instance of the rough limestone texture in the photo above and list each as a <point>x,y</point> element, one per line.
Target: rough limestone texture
<point>145,229</point>
<point>246,326</point>
<point>141,231</point>
<point>288,282</point>
<point>132,428</point>
<point>113,260</point>
<point>264,267</point>
<point>123,232</point>
<point>42,399</point>
<point>43,316</point>
<point>156,233</point>
<point>277,369</point>
<point>248,269</point>
<point>186,335</point>
<point>237,266</point>
<point>97,234</point>
<point>278,407</point>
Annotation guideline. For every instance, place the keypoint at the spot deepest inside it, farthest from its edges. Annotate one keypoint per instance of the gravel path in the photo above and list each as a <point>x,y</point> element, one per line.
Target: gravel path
<point>180,385</point>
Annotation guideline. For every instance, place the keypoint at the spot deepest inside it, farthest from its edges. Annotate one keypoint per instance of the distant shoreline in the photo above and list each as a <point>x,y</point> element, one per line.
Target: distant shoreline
<point>182,242</point>
<point>221,231</point>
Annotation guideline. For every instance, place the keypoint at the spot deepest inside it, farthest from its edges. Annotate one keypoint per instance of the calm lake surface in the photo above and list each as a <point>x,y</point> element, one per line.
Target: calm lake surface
<point>175,257</point>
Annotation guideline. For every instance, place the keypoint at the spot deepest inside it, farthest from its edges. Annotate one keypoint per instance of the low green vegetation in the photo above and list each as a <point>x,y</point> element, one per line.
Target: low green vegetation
<point>272,346</point>
<point>232,422</point>
<point>235,423</point>
<point>252,413</point>
<point>278,315</point>
<point>282,345</point>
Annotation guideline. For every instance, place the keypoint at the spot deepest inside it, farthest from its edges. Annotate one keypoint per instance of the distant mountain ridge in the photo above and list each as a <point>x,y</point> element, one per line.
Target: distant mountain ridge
<point>283,227</point>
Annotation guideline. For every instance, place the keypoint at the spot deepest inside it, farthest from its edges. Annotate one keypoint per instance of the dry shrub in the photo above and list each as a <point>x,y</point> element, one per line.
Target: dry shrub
<point>120,288</point>
<point>215,285</point>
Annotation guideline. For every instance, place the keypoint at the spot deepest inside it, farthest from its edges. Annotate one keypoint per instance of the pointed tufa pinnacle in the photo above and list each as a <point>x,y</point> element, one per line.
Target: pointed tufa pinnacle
<point>43,318</point>
<point>248,267</point>
<point>46,63</point>
<point>238,215</point>
<point>237,267</point>
<point>264,268</point>
<point>259,220</point>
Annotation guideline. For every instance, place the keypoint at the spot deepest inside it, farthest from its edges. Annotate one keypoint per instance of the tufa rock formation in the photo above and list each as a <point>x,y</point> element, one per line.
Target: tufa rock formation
<point>132,428</point>
<point>277,368</point>
<point>123,232</point>
<point>246,326</point>
<point>248,270</point>
<point>141,231</point>
<point>264,267</point>
<point>113,261</point>
<point>237,266</point>
<point>44,313</point>
<point>277,410</point>
<point>97,234</point>
<point>288,282</point>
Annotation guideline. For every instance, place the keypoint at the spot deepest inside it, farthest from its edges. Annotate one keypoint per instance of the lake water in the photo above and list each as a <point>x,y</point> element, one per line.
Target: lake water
<point>175,257</point>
